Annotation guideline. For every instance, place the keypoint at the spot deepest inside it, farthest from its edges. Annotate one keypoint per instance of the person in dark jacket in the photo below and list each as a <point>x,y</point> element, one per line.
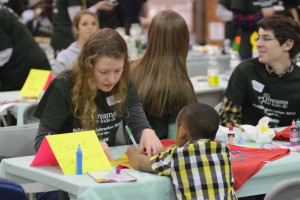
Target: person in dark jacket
<point>19,52</point>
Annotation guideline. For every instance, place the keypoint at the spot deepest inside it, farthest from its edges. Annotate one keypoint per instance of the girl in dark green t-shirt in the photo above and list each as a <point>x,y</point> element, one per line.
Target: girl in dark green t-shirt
<point>96,95</point>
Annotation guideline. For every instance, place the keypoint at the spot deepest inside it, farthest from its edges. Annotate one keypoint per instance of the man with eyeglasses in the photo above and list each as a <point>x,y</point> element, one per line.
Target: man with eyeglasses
<point>270,84</point>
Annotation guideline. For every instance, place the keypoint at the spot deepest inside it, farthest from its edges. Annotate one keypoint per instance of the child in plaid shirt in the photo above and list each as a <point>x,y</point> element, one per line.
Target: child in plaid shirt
<point>199,167</point>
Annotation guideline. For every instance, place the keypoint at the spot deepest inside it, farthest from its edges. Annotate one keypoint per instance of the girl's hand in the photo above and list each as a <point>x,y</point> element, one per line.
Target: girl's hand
<point>150,142</point>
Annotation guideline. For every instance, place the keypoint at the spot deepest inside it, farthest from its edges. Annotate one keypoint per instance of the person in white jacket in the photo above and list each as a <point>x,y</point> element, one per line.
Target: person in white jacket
<point>84,25</point>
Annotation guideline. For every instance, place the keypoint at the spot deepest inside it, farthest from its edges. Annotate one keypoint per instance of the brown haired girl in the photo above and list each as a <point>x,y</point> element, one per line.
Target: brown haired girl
<point>96,95</point>
<point>161,74</point>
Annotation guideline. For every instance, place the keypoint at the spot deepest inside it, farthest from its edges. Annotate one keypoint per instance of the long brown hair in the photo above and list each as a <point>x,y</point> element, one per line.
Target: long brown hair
<point>161,75</point>
<point>103,43</point>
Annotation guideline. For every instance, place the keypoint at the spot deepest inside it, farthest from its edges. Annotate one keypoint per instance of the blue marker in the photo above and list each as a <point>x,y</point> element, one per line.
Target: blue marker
<point>78,160</point>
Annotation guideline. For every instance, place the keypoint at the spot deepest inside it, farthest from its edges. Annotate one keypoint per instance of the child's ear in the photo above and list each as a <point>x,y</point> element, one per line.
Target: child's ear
<point>182,131</point>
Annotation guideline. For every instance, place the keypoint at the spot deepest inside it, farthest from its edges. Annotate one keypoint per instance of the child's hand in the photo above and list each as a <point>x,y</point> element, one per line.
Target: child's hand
<point>132,150</point>
<point>138,159</point>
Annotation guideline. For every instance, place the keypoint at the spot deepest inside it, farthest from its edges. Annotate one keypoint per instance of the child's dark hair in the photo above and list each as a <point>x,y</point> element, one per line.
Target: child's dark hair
<point>201,120</point>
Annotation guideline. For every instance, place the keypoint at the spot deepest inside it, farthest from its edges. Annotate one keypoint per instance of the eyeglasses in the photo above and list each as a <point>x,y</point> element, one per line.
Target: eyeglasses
<point>267,39</point>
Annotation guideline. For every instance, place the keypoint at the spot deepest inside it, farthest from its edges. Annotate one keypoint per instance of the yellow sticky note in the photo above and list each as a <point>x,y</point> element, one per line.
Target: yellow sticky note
<point>34,83</point>
<point>64,147</point>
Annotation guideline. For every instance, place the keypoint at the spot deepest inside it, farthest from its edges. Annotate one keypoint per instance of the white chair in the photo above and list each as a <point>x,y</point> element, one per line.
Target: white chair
<point>28,114</point>
<point>287,189</point>
<point>3,120</point>
<point>4,112</point>
<point>16,141</point>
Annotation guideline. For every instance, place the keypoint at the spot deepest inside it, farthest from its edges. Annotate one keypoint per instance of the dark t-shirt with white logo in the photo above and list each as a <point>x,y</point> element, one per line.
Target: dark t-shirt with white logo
<point>262,94</point>
<point>55,110</point>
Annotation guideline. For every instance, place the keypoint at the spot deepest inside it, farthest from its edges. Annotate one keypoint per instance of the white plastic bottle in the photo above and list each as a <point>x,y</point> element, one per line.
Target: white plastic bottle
<point>213,72</point>
<point>136,34</point>
<point>234,60</point>
<point>231,135</point>
<point>226,46</point>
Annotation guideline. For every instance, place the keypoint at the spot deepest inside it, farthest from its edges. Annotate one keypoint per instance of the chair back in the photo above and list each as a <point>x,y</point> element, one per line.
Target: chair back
<point>3,112</point>
<point>16,141</point>
<point>286,189</point>
<point>28,114</point>
<point>11,190</point>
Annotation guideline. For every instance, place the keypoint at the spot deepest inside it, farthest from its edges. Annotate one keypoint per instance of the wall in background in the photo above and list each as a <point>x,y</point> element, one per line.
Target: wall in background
<point>200,15</point>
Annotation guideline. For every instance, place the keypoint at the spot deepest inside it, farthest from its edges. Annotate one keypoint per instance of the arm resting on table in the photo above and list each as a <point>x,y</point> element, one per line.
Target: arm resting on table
<point>43,130</point>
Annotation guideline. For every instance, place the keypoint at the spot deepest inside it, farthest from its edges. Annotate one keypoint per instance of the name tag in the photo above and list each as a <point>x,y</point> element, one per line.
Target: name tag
<point>111,100</point>
<point>257,86</point>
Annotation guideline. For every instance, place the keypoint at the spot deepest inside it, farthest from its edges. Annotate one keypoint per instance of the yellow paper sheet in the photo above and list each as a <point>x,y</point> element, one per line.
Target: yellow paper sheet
<point>34,83</point>
<point>123,160</point>
<point>64,147</point>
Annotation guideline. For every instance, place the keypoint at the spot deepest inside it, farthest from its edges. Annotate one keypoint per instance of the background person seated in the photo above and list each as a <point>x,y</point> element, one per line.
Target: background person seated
<point>63,16</point>
<point>36,20</point>
<point>19,52</point>
<point>161,75</point>
<point>84,25</point>
<point>270,84</point>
